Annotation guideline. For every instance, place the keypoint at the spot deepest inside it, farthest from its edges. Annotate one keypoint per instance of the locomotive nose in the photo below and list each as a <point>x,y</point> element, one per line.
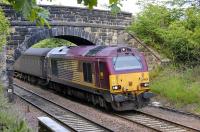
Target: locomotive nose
<point>129,82</point>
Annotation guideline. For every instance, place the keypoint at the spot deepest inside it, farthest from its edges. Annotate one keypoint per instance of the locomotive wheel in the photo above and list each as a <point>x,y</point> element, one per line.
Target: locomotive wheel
<point>88,97</point>
<point>33,80</point>
<point>101,102</point>
<point>94,102</point>
<point>104,104</point>
<point>107,106</point>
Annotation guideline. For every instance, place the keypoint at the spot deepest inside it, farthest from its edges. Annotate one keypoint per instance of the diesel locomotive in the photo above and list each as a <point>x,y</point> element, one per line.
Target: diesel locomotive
<point>114,77</point>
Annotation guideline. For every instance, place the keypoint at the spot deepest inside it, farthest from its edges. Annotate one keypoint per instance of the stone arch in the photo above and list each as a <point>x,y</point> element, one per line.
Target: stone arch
<point>75,35</point>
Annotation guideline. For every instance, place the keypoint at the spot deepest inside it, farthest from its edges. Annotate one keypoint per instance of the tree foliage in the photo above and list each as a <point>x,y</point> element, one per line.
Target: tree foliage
<point>183,3</point>
<point>174,32</point>
<point>31,11</point>
<point>4,28</point>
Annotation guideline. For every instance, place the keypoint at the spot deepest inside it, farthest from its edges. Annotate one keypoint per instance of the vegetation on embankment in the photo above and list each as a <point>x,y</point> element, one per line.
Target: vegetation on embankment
<point>9,120</point>
<point>172,30</point>
<point>4,29</point>
<point>181,87</point>
<point>52,42</point>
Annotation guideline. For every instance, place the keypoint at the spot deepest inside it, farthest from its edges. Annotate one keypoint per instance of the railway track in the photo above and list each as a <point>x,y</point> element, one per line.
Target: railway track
<point>66,117</point>
<point>155,123</point>
<point>138,117</point>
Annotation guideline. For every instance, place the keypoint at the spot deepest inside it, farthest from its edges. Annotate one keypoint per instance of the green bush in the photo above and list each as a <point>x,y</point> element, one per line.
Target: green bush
<point>4,29</point>
<point>4,1</point>
<point>11,123</point>
<point>9,120</point>
<point>173,32</point>
<point>149,22</point>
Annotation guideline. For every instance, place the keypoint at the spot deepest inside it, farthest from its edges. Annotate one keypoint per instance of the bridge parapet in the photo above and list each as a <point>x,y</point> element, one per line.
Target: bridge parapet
<point>76,14</point>
<point>97,24</point>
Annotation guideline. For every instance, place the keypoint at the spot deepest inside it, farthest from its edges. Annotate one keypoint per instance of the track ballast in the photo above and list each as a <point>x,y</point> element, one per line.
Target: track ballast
<point>68,118</point>
<point>138,117</point>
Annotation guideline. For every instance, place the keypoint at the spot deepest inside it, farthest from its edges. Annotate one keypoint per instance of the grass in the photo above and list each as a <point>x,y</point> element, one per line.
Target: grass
<point>53,42</point>
<point>153,74</point>
<point>10,121</point>
<point>179,87</point>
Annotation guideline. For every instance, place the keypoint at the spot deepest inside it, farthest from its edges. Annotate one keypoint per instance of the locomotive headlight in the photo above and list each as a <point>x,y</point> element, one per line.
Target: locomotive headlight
<point>145,84</point>
<point>116,87</point>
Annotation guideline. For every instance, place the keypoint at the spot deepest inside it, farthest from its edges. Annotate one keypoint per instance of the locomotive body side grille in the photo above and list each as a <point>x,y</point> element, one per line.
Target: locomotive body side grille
<point>68,70</point>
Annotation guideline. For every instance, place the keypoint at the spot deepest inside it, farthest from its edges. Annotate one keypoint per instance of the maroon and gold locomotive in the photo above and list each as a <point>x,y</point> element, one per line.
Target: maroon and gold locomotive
<point>115,76</point>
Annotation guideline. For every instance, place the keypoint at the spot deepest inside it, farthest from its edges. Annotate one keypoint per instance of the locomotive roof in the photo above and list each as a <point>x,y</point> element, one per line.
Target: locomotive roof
<point>86,51</point>
<point>98,51</point>
<point>37,51</point>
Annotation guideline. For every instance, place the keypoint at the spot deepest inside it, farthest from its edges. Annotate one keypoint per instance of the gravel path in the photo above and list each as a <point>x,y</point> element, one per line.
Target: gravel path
<point>98,116</point>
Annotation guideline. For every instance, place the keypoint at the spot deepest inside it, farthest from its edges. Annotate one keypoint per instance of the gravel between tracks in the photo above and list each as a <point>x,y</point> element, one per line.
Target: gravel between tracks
<point>98,116</point>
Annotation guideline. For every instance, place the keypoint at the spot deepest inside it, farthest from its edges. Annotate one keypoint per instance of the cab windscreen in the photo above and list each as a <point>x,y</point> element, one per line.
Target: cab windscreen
<point>127,63</point>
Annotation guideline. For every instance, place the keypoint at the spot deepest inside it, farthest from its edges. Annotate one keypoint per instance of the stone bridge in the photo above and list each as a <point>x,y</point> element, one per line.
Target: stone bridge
<point>78,25</point>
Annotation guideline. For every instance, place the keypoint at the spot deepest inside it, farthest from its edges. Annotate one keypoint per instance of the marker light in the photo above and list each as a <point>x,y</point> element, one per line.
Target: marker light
<point>123,49</point>
<point>116,87</point>
<point>145,84</point>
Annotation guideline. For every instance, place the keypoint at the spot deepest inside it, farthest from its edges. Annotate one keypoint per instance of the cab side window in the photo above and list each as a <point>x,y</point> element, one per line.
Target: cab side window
<point>101,69</point>
<point>87,72</point>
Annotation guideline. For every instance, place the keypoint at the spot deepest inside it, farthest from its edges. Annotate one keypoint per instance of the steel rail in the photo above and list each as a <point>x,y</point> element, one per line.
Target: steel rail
<point>155,123</point>
<point>136,122</point>
<point>71,120</point>
<point>197,116</point>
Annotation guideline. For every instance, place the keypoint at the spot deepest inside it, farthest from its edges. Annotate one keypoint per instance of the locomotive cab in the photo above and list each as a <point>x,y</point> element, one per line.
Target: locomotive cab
<point>129,80</point>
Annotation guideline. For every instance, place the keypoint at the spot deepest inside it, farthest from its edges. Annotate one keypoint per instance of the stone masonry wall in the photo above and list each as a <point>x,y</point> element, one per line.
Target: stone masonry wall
<point>101,23</point>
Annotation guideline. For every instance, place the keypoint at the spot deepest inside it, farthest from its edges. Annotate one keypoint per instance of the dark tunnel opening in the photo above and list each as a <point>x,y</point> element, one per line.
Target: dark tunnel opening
<point>76,40</point>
